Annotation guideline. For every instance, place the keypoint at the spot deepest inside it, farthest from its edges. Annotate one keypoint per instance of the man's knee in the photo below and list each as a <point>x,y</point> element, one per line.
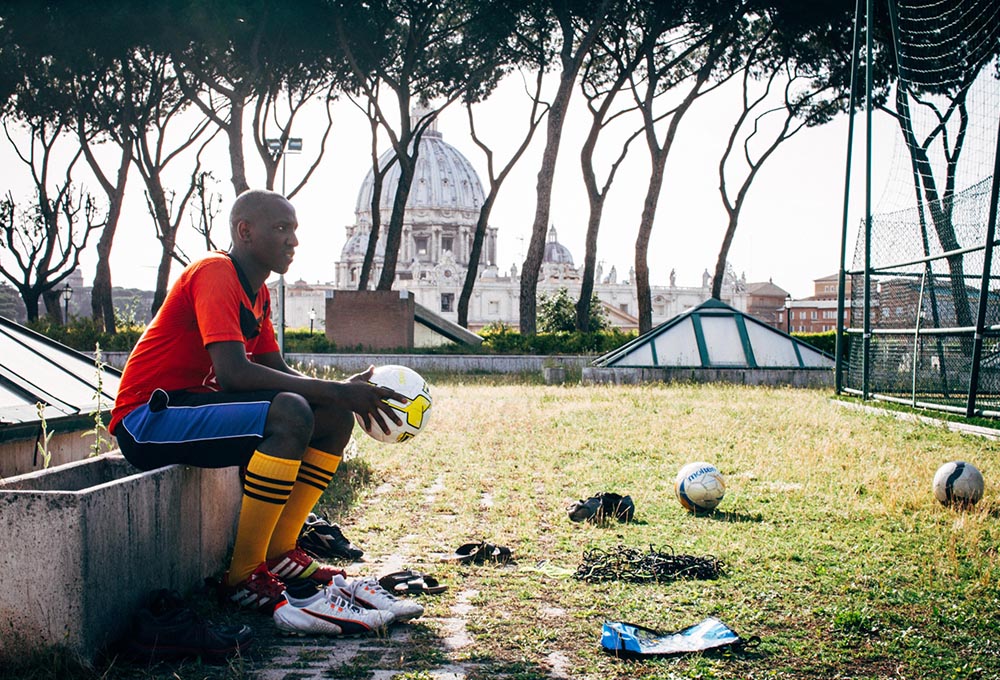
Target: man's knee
<point>290,416</point>
<point>336,423</point>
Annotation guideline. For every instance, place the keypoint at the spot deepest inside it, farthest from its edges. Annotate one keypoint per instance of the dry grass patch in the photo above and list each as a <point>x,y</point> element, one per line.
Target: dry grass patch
<point>836,552</point>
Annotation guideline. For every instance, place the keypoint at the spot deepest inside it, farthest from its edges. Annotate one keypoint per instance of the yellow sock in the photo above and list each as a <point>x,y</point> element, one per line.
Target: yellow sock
<point>266,487</point>
<point>314,476</point>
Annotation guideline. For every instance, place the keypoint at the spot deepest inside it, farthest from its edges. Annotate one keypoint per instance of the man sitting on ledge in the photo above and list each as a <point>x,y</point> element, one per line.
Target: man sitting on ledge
<point>206,386</point>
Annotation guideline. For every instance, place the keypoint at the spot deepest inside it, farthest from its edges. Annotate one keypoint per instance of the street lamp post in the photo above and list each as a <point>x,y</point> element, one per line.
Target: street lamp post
<point>66,293</point>
<point>312,319</point>
<point>788,314</point>
<point>291,145</point>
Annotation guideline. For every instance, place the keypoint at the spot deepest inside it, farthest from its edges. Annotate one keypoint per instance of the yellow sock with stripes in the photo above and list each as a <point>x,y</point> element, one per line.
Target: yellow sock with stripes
<point>266,487</point>
<point>314,476</point>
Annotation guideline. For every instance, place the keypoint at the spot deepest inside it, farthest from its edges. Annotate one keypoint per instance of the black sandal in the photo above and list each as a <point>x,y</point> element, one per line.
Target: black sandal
<point>478,553</point>
<point>409,582</point>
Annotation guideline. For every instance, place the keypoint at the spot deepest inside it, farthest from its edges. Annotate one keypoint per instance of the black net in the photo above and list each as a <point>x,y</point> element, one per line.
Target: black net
<point>927,249</point>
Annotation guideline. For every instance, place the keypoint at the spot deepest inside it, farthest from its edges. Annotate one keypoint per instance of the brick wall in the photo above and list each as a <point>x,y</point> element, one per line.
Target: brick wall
<point>371,319</point>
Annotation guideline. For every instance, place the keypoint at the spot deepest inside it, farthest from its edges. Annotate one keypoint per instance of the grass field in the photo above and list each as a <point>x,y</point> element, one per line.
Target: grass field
<point>837,554</point>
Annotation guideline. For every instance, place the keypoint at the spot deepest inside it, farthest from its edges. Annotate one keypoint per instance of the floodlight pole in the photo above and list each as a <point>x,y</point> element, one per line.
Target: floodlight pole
<point>290,145</point>
<point>841,336</point>
<point>869,86</point>
<point>984,288</point>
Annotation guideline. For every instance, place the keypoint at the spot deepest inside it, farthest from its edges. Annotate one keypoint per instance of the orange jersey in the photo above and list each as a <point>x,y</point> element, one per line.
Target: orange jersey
<point>210,302</point>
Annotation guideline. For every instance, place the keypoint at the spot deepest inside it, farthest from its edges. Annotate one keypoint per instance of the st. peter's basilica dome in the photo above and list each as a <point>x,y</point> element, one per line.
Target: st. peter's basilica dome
<point>440,220</point>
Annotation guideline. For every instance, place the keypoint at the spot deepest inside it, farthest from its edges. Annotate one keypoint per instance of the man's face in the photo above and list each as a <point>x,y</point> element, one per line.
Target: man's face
<point>272,235</point>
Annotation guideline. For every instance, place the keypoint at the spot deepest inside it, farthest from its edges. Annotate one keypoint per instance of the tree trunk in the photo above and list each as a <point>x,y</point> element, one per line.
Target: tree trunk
<point>642,240</point>
<point>394,235</point>
<point>474,256</point>
<point>30,298</point>
<point>54,306</point>
<point>101,302</point>
<point>536,246</point>
<point>571,62</point>
<point>167,237</point>
<point>589,264</point>
<point>372,247</point>
<point>234,131</point>
<point>720,264</point>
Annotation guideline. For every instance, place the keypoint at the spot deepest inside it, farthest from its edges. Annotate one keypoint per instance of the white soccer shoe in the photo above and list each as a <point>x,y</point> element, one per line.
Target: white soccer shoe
<point>368,593</point>
<point>327,613</point>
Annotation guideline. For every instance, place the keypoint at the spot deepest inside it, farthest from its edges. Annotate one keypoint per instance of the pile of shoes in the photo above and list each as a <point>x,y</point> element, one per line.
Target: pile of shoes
<point>603,507</point>
<point>324,540</point>
<point>342,608</point>
<point>166,628</point>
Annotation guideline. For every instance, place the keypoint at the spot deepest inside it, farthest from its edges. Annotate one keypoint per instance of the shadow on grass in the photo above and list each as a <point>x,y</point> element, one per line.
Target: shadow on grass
<point>734,517</point>
<point>353,476</point>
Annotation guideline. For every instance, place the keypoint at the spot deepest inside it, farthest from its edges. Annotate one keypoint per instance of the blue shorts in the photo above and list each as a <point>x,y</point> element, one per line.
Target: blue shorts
<point>209,430</point>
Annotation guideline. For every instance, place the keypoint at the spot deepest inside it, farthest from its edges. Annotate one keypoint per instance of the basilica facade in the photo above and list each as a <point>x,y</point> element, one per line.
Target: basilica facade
<point>438,228</point>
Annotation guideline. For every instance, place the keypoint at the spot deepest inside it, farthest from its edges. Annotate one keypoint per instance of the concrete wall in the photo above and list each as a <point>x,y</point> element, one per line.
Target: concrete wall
<point>85,543</point>
<point>576,366</point>
<point>441,363</point>
<point>21,456</point>
<point>793,377</point>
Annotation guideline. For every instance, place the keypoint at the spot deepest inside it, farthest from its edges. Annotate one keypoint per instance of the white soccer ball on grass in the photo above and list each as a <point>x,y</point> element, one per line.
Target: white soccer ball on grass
<point>699,486</point>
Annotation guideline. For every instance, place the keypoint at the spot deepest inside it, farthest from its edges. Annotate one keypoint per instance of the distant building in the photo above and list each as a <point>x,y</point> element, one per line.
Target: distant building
<point>817,313</point>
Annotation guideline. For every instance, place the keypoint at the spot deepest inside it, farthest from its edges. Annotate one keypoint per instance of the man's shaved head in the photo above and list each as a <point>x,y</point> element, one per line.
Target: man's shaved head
<point>251,205</point>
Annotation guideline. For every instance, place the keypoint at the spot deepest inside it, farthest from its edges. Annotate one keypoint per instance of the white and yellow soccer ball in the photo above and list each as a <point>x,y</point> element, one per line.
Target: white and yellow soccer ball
<point>958,483</point>
<point>414,414</point>
<point>699,486</point>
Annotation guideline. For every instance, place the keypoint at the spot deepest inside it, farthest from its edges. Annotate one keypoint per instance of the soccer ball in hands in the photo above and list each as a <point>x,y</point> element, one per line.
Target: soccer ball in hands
<point>699,486</point>
<point>958,483</point>
<point>414,414</point>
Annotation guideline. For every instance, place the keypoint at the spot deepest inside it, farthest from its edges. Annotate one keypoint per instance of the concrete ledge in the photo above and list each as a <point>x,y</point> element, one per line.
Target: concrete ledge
<point>85,543</point>
<point>793,377</point>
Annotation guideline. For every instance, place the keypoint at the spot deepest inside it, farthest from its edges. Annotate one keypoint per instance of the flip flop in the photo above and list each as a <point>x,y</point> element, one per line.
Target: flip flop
<point>409,582</point>
<point>478,553</point>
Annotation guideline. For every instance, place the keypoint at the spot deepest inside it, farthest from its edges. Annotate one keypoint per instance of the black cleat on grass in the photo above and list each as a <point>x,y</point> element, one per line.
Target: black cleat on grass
<point>323,540</point>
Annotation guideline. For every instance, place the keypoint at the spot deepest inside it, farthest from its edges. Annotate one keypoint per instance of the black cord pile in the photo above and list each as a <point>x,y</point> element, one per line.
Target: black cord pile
<point>628,564</point>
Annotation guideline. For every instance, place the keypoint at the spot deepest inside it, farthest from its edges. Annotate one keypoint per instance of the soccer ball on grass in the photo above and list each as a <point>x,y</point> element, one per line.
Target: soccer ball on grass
<point>414,414</point>
<point>958,483</point>
<point>699,486</point>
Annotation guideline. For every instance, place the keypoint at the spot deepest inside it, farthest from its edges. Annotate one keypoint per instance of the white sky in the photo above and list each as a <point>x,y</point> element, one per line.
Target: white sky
<point>789,232</point>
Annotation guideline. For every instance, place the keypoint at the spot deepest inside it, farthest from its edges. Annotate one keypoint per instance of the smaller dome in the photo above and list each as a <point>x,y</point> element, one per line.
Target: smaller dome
<point>555,252</point>
<point>357,245</point>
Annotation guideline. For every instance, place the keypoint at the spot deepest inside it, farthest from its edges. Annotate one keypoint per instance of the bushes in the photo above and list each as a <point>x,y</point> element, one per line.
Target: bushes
<point>84,334</point>
<point>304,342</point>
<point>825,342</point>
<point>502,339</point>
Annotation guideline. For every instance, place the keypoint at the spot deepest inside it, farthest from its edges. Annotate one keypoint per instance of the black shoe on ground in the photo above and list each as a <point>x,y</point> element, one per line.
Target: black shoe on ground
<point>323,540</point>
<point>602,507</point>
<point>614,505</point>
<point>168,629</point>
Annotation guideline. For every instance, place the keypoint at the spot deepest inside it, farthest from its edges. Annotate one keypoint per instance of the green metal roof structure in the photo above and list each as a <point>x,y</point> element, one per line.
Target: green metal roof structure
<point>715,335</point>
<point>35,369</point>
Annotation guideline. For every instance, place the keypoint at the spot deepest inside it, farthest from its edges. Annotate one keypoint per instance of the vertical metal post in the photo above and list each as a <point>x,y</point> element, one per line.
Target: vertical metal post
<point>281,277</point>
<point>841,278</point>
<point>984,288</point>
<point>866,345</point>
